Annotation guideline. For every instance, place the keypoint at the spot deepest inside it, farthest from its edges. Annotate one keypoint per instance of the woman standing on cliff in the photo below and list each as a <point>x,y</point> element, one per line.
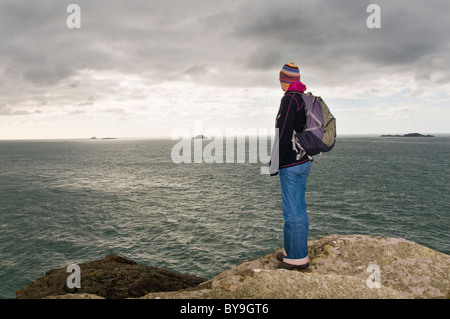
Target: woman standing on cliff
<point>293,171</point>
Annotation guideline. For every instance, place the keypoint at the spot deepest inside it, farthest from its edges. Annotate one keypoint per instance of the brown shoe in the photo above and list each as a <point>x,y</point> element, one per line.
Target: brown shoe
<point>280,255</point>
<point>283,265</point>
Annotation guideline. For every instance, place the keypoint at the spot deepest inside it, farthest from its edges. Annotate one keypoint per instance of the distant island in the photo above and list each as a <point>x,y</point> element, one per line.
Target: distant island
<point>408,135</point>
<point>200,137</point>
<point>105,138</point>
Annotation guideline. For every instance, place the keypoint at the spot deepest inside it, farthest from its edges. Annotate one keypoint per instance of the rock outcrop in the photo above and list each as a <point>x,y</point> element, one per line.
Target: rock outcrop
<point>112,277</point>
<point>341,267</point>
<point>338,269</point>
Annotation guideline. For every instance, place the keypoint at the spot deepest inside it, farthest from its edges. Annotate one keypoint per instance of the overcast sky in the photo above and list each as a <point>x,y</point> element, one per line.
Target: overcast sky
<point>142,68</point>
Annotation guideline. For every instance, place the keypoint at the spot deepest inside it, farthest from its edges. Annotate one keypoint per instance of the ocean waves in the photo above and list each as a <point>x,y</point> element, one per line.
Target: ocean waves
<point>70,202</point>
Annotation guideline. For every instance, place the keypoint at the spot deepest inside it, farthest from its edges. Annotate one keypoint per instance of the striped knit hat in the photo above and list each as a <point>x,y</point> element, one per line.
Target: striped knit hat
<point>289,73</point>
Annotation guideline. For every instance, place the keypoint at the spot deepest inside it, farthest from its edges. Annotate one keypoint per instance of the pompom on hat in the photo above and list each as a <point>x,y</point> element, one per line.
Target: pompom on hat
<point>289,73</point>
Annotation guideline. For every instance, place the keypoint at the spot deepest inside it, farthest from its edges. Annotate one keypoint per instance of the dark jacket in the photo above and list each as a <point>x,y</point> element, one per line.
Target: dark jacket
<point>291,116</point>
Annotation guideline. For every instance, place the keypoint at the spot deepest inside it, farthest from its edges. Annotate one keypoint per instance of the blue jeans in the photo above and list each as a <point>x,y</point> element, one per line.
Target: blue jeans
<point>293,187</point>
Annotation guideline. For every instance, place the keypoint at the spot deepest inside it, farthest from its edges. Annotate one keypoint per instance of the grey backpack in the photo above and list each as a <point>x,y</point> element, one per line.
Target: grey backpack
<point>319,133</point>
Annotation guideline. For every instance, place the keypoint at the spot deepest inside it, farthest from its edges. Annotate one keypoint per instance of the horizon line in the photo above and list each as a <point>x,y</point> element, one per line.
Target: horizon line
<point>169,137</point>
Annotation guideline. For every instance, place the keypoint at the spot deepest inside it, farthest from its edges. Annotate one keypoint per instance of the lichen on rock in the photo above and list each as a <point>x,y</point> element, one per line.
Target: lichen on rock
<point>338,270</point>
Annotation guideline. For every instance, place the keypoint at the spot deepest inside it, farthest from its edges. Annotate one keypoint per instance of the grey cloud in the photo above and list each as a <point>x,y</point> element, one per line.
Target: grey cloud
<point>196,69</point>
<point>326,34</point>
<point>12,112</point>
<point>47,76</point>
<point>166,40</point>
<point>264,58</point>
<point>76,112</point>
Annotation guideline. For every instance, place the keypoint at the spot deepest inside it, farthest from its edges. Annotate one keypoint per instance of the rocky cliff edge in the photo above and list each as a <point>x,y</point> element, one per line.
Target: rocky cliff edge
<point>352,266</point>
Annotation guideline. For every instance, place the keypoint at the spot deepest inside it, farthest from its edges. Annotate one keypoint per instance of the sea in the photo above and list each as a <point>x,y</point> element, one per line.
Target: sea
<point>72,201</point>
